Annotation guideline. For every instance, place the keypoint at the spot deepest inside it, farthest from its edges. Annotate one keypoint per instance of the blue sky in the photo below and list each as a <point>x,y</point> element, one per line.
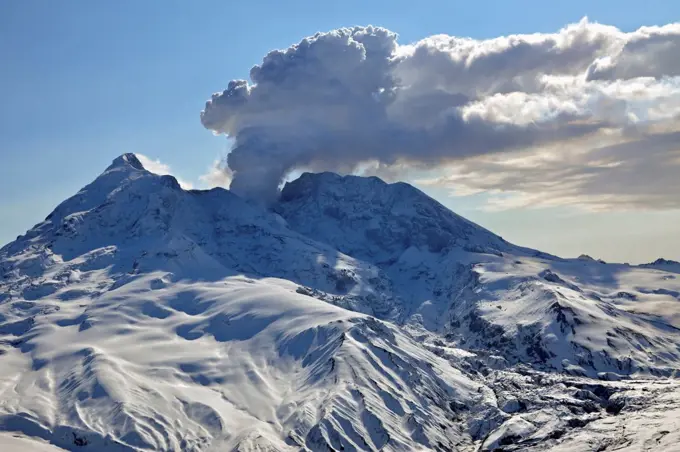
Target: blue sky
<point>82,82</point>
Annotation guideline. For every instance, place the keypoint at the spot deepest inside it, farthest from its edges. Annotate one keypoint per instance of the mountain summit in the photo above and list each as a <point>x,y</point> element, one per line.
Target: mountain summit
<point>368,218</point>
<point>350,315</point>
<point>126,160</point>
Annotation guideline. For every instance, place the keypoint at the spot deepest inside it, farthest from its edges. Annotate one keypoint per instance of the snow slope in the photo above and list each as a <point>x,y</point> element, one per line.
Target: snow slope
<point>457,279</point>
<point>355,315</point>
<point>18,442</point>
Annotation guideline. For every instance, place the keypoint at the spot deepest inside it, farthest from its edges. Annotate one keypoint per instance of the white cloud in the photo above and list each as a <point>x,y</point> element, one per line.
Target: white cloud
<point>158,167</point>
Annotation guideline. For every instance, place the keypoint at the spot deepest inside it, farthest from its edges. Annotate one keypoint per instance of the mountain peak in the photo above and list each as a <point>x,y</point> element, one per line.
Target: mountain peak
<point>312,184</point>
<point>126,160</point>
<point>367,217</point>
<point>124,178</point>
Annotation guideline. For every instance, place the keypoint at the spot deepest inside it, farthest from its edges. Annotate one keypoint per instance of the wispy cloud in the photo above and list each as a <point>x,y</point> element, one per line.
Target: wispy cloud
<point>218,175</point>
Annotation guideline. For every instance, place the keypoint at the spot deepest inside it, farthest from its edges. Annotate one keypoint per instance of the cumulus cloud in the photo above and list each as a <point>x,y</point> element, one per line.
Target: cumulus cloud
<point>158,167</point>
<point>647,52</point>
<point>501,115</point>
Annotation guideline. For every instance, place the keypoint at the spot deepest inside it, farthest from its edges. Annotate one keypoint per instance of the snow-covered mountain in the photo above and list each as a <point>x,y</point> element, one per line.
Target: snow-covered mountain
<point>351,315</point>
<point>455,278</point>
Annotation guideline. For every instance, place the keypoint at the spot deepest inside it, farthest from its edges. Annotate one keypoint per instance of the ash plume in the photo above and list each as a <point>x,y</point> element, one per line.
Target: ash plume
<point>352,96</point>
